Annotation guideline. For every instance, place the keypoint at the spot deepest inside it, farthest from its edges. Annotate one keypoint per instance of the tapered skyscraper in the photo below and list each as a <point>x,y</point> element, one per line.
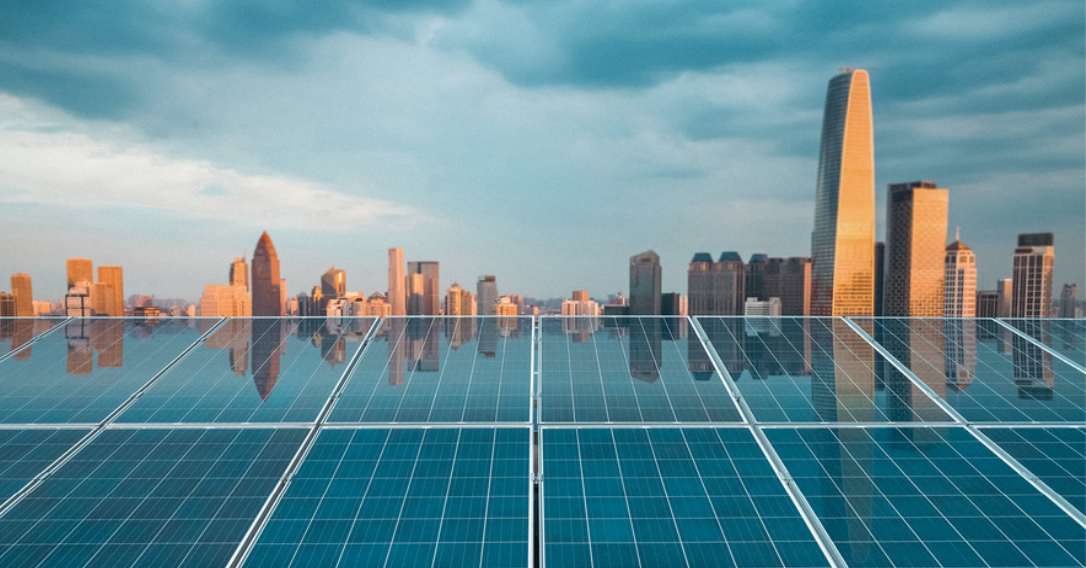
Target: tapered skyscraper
<point>265,282</point>
<point>843,242</point>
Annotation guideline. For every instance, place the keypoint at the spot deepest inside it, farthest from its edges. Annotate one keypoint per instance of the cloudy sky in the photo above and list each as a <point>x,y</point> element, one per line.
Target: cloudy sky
<point>541,141</point>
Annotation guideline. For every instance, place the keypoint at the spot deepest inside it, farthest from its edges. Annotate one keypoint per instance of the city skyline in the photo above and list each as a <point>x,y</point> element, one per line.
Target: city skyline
<point>445,130</point>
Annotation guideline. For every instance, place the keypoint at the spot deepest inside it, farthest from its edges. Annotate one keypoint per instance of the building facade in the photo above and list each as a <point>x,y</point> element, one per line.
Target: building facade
<point>430,292</point>
<point>395,296</point>
<point>1068,301</point>
<point>960,281</point>
<point>265,283</point>
<point>790,280</point>
<point>916,221</point>
<point>487,295</point>
<point>79,270</point>
<point>1031,290</point>
<point>23,292</point>
<point>645,284</point>
<point>114,277</point>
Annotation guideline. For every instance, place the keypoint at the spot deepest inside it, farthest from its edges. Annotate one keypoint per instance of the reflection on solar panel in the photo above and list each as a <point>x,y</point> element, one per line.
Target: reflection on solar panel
<point>655,497</point>
<point>148,498</point>
<point>429,369</point>
<point>813,370</point>
<point>1065,336</point>
<point>606,369</point>
<point>445,498</point>
<point>985,371</point>
<point>925,497</point>
<point>1056,455</point>
<point>81,373</point>
<point>24,453</point>
<point>260,370</point>
<point>17,332</point>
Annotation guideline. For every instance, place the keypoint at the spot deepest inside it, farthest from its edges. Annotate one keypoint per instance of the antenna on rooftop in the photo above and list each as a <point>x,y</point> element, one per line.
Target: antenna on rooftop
<point>957,233</point>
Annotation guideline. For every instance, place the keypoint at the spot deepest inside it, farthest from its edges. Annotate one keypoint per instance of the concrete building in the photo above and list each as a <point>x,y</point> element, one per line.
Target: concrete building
<point>916,217</point>
<point>1032,277</point>
<point>960,281</point>
<point>843,241</point>
<point>645,287</point>
<point>266,284</point>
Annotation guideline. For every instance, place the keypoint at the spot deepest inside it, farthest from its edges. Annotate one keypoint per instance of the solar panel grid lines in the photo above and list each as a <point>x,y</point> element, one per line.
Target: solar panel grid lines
<point>34,337</point>
<point>1054,454</point>
<point>1021,333</point>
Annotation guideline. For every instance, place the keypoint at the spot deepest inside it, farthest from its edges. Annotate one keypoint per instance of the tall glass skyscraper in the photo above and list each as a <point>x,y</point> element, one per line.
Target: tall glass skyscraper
<point>843,242</point>
<point>265,281</point>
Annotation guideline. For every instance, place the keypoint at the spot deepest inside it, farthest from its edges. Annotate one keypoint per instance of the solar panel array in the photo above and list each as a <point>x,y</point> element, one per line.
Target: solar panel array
<point>542,441</point>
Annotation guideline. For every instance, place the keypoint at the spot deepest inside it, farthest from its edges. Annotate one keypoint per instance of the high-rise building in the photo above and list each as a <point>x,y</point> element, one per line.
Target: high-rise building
<point>487,295</point>
<point>916,219</point>
<point>395,296</point>
<point>24,295</point>
<point>239,272</point>
<point>790,280</point>
<point>334,283</point>
<point>756,276</point>
<point>1067,300</point>
<point>102,299</point>
<point>699,284</point>
<point>673,304</point>
<point>80,270</point>
<point>265,283</point>
<point>1032,288</point>
<point>7,305</point>
<point>987,304</point>
<point>226,301</point>
<point>645,288</point>
<point>454,301</point>
<point>842,244</point>
<point>431,293</point>
<point>114,277</point>
<point>960,289</point>
<point>716,288</point>
<point>880,276</point>
<point>1004,293</point>
<point>580,295</point>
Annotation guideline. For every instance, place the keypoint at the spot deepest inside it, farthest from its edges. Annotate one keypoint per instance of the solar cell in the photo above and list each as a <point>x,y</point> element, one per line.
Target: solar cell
<point>986,372</point>
<point>441,498</point>
<point>666,497</point>
<point>25,453</point>
<point>813,370</point>
<point>81,373</point>
<point>634,370</point>
<point>450,370</point>
<point>148,498</point>
<point>925,497</point>
<point>1065,336</point>
<point>254,370</point>
<point>1056,455</point>
<point>17,332</point>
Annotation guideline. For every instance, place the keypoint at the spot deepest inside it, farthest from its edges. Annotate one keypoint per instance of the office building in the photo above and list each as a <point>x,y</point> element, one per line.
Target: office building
<point>790,280</point>
<point>77,302</point>
<point>24,295</point>
<point>487,295</point>
<point>505,307</point>
<point>266,284</point>
<point>716,288</point>
<point>960,288</point>
<point>843,241</point>
<point>756,307</point>
<point>916,218</point>
<point>395,296</point>
<point>334,283</point>
<point>673,304</point>
<point>756,274</point>
<point>645,288</point>
<point>7,305</point>
<point>114,277</point>
<point>1068,300</point>
<point>239,272</point>
<point>79,270</point>
<point>1004,291</point>
<point>880,276</point>
<point>580,305</point>
<point>987,304</point>
<point>102,299</point>
<point>459,302</point>
<point>430,302</point>
<point>1031,288</point>
<point>229,301</point>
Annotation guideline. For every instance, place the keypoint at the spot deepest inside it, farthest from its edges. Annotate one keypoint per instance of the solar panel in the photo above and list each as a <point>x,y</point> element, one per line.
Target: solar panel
<point>813,370</point>
<point>634,370</point>
<point>450,370</point>
<point>25,453</point>
<point>441,498</point>
<point>925,497</point>
<point>254,370</point>
<point>1065,336</point>
<point>81,373</point>
<point>148,498</point>
<point>17,332</point>
<point>666,497</point>
<point>1056,455</point>
<point>986,372</point>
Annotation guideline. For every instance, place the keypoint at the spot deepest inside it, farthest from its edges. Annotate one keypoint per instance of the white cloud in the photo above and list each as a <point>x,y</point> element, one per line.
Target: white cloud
<point>74,166</point>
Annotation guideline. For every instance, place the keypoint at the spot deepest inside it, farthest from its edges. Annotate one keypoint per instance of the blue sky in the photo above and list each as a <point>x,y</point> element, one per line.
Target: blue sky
<point>541,141</point>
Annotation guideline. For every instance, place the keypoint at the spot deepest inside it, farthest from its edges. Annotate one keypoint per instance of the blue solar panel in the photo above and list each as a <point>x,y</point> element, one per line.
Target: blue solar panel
<point>925,497</point>
<point>441,498</point>
<point>656,497</point>
<point>148,498</point>
<point>1065,336</point>
<point>607,369</point>
<point>83,372</point>
<point>17,332</point>
<point>430,369</point>
<point>1056,455</point>
<point>254,370</point>
<point>813,370</point>
<point>986,372</point>
<point>26,453</point>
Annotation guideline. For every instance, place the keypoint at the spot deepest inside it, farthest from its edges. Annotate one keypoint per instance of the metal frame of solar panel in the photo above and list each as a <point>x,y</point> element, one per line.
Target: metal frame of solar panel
<point>792,481</point>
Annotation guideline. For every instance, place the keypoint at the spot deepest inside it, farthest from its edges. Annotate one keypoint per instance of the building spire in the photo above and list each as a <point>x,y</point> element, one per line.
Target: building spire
<point>957,233</point>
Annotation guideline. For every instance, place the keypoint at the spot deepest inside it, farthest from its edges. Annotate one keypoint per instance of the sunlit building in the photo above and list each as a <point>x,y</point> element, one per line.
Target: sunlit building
<point>487,295</point>
<point>225,301</point>
<point>79,270</point>
<point>424,294</point>
<point>960,285</point>
<point>24,295</point>
<point>266,284</point>
<point>239,272</point>
<point>1032,287</point>
<point>916,216</point>
<point>114,277</point>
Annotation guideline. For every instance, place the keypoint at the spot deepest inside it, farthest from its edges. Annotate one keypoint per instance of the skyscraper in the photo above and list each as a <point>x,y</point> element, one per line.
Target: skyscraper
<point>699,284</point>
<point>80,270</point>
<point>987,304</point>
<point>454,301</point>
<point>431,293</point>
<point>239,273</point>
<point>487,295</point>
<point>756,275</point>
<point>1032,287</point>
<point>334,283</point>
<point>916,219</point>
<point>842,244</point>
<point>790,280</point>
<point>24,295</point>
<point>960,288</point>
<point>395,297</point>
<point>1067,300</point>
<point>716,288</point>
<point>645,287</point>
<point>114,277</point>
<point>1004,292</point>
<point>265,284</point>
